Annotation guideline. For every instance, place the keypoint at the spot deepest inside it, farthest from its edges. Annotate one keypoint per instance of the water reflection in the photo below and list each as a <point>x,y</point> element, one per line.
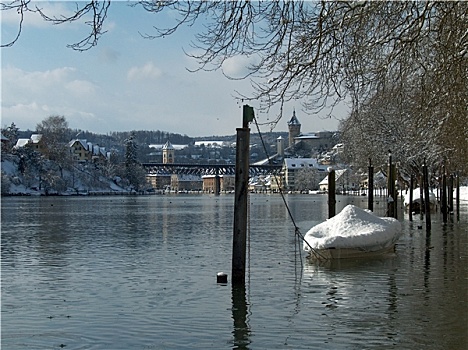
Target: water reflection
<point>136,273</point>
<point>240,312</point>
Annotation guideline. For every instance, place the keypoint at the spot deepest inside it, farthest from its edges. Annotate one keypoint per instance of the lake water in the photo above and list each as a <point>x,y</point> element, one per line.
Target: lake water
<point>139,272</point>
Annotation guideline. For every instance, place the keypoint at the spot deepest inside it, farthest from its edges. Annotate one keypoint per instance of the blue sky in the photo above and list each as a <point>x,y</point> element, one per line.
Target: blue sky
<point>126,82</point>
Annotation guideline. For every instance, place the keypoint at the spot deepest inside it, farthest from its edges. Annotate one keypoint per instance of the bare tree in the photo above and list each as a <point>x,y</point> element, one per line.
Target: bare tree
<point>326,52</point>
<point>307,179</point>
<point>321,51</point>
<point>55,137</point>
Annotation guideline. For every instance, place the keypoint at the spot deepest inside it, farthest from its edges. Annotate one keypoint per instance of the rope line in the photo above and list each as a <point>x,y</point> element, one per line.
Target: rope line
<point>297,231</point>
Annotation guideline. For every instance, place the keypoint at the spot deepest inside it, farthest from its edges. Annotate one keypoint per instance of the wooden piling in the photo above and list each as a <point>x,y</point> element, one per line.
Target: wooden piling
<point>395,192</point>
<point>450,194</point>
<point>427,203</point>
<point>391,188</point>
<point>331,193</point>
<point>421,196</point>
<point>410,205</point>
<point>444,196</point>
<point>457,201</point>
<point>241,198</point>
<point>370,186</point>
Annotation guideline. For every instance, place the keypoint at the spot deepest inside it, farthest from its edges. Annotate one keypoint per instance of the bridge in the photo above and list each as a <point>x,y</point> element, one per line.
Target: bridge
<point>209,169</point>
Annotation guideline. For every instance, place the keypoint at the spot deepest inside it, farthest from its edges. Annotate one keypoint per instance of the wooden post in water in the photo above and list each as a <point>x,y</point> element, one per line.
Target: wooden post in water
<point>450,194</point>
<point>457,184</point>
<point>370,186</point>
<point>444,196</point>
<point>421,195</point>
<point>331,193</point>
<point>395,191</point>
<point>427,203</point>
<point>410,206</point>
<point>241,197</point>
<point>390,187</point>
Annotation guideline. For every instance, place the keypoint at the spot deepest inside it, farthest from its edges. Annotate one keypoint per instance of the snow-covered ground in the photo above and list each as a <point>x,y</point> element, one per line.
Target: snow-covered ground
<point>353,227</point>
<point>463,194</point>
<point>81,182</point>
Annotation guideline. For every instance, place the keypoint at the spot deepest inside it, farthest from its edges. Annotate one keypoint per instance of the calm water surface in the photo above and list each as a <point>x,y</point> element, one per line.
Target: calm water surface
<point>140,273</point>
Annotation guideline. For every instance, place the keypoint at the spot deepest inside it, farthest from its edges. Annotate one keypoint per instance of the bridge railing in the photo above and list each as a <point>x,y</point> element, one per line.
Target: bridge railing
<point>208,169</point>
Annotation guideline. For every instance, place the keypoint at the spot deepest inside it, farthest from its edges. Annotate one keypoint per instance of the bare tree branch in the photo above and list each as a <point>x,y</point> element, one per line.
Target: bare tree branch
<point>20,6</point>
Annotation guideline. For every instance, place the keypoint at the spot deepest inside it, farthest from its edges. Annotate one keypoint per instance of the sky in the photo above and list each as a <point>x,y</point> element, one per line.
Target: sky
<point>126,82</point>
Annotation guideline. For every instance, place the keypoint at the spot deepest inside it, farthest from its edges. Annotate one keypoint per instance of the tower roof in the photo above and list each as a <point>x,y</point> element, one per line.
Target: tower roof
<point>294,120</point>
<point>168,146</point>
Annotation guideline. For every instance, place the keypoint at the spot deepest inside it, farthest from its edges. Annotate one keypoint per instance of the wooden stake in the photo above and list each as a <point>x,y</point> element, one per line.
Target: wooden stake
<point>331,194</point>
<point>427,203</point>
<point>241,196</point>
<point>410,207</point>
<point>370,186</point>
<point>444,196</point>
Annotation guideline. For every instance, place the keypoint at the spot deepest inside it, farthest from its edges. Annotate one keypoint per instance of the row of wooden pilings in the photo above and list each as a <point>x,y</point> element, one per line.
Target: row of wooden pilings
<point>241,197</point>
<point>446,195</point>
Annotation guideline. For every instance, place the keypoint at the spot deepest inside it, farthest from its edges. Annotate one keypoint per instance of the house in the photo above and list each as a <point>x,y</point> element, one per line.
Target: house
<point>226,183</point>
<point>35,142</point>
<point>339,181</point>
<point>80,150</point>
<point>83,151</point>
<point>265,183</point>
<point>159,181</point>
<point>186,182</point>
<point>291,166</point>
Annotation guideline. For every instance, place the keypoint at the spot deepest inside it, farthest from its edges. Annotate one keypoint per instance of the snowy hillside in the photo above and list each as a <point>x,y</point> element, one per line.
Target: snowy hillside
<point>81,179</point>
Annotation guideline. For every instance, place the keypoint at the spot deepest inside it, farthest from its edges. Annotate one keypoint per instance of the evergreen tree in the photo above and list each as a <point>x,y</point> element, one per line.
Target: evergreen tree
<point>134,172</point>
<point>11,133</point>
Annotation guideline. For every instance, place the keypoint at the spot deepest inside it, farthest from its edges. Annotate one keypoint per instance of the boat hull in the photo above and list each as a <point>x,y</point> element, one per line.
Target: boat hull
<point>349,253</point>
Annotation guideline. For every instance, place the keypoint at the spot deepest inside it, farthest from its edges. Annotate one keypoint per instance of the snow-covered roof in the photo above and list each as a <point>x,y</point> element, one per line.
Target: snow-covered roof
<point>209,176</point>
<point>307,137</point>
<point>294,120</point>
<point>22,143</point>
<point>338,174</point>
<point>212,143</point>
<point>168,146</point>
<point>174,146</point>
<point>82,142</point>
<point>36,138</point>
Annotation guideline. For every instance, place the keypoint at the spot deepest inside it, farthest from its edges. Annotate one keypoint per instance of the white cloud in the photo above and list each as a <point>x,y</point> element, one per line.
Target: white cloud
<point>147,72</point>
<point>80,88</point>
<point>237,67</point>
<point>29,97</point>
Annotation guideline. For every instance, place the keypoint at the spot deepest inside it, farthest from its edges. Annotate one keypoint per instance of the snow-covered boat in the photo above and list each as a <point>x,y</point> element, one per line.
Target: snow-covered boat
<point>417,200</point>
<point>353,233</point>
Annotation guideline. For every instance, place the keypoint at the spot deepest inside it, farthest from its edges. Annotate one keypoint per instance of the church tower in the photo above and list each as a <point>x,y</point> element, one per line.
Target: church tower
<point>168,153</point>
<point>294,128</point>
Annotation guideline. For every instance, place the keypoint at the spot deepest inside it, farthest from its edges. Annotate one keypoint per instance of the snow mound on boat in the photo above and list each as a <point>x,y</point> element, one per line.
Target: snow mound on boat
<point>354,228</point>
